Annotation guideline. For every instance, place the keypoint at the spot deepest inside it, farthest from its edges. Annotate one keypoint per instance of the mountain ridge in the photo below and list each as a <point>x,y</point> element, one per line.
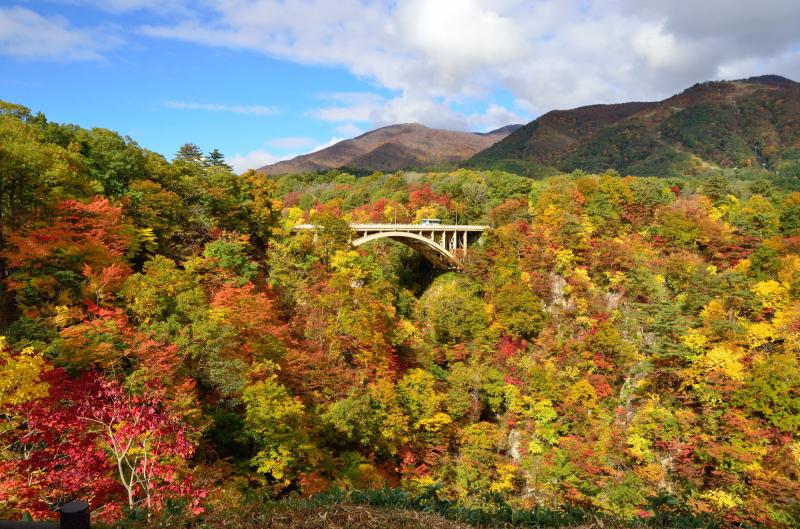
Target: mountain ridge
<point>394,147</point>
<point>750,122</point>
<point>740,123</point>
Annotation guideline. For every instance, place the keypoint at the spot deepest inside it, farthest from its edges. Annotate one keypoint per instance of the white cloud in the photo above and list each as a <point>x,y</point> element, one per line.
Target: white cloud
<point>255,159</point>
<point>25,34</point>
<point>349,129</point>
<point>428,60</point>
<point>434,56</point>
<point>290,142</point>
<point>333,141</point>
<point>125,6</point>
<point>409,108</point>
<point>787,63</point>
<point>494,117</point>
<point>659,48</point>
<point>256,110</point>
<point>456,39</point>
<point>259,157</point>
<point>349,106</point>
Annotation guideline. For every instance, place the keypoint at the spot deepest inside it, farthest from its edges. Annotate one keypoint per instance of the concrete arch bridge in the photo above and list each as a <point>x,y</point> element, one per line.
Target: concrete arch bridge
<point>442,244</point>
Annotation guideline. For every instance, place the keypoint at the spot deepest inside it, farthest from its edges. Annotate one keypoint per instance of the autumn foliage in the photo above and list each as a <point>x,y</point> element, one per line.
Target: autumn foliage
<point>610,340</point>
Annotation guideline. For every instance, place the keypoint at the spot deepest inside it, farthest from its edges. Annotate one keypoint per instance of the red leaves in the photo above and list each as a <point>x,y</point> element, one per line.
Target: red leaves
<point>376,211</point>
<point>254,316</point>
<point>600,385</point>
<point>509,211</point>
<point>90,438</point>
<point>97,220</point>
<point>81,239</point>
<point>107,280</point>
<point>425,196</point>
<point>602,363</point>
<point>146,440</point>
<point>159,359</point>
<point>253,313</point>
<point>94,228</point>
<point>309,372</point>
<point>60,457</point>
<point>106,337</point>
<point>509,347</point>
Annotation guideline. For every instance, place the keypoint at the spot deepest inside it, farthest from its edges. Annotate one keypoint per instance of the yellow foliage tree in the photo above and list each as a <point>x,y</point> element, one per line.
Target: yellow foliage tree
<point>20,376</point>
<point>771,294</point>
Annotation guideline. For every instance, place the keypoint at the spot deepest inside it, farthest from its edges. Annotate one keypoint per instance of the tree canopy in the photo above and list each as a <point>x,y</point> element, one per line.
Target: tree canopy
<point>609,340</point>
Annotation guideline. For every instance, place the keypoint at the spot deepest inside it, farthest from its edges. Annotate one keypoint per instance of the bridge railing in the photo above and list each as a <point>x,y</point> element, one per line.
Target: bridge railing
<point>415,227</point>
<point>442,244</point>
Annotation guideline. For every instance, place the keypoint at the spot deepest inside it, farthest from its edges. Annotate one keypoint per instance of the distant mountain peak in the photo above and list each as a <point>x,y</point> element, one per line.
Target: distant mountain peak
<point>391,148</point>
<point>770,79</point>
<point>753,122</point>
<point>507,129</point>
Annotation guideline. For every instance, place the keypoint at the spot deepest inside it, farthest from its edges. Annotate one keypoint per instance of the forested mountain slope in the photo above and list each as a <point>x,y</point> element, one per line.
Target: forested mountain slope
<point>616,348</point>
<point>405,146</point>
<point>725,124</point>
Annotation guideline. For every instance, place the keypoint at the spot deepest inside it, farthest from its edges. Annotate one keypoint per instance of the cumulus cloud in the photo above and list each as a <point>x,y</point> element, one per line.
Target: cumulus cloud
<point>125,6</point>
<point>758,27</point>
<point>260,157</point>
<point>27,35</point>
<point>430,58</point>
<point>494,117</point>
<point>375,110</point>
<point>332,141</point>
<point>290,142</point>
<point>435,54</point>
<point>787,63</point>
<point>256,110</point>
<point>436,48</point>
<point>454,41</point>
<point>349,129</point>
<point>349,106</point>
<point>255,159</point>
<point>677,43</point>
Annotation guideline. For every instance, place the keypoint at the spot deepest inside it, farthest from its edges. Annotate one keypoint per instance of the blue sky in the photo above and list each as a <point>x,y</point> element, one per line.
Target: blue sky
<point>164,93</point>
<point>266,79</point>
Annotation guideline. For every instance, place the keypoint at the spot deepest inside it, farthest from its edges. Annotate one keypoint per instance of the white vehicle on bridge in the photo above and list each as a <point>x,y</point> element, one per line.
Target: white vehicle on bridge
<point>431,221</point>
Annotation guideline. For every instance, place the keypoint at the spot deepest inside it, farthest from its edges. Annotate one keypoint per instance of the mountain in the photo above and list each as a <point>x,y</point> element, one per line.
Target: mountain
<point>743,123</point>
<point>508,129</point>
<point>404,146</point>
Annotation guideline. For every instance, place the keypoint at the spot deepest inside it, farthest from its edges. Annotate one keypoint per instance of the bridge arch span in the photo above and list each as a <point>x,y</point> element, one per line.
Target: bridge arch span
<point>444,245</point>
<point>432,250</point>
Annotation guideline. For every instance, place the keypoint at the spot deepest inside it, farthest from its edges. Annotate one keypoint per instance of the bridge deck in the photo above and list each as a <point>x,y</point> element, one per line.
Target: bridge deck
<point>442,244</point>
<point>405,227</point>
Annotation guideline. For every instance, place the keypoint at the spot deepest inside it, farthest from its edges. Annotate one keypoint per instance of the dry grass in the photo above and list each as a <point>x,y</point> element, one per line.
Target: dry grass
<point>334,516</point>
<point>325,517</point>
<point>345,516</point>
<point>359,517</point>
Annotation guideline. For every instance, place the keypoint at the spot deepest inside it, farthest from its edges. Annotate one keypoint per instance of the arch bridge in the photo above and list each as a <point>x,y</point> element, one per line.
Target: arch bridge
<point>442,244</point>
